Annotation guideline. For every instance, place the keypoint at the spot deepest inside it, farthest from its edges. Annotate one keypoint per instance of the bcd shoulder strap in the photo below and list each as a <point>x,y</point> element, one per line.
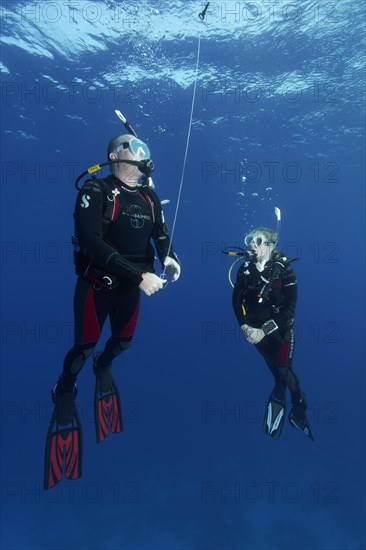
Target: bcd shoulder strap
<point>154,203</point>
<point>108,198</point>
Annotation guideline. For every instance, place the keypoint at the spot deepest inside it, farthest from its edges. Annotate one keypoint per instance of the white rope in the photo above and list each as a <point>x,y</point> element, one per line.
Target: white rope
<point>187,146</point>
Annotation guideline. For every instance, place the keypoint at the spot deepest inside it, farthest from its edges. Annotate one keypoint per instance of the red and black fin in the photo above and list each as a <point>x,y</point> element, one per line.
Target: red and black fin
<point>107,413</point>
<point>63,454</point>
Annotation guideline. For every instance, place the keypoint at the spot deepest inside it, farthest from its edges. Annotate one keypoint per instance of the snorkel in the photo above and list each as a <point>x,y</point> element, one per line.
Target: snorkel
<point>146,167</point>
<point>278,224</point>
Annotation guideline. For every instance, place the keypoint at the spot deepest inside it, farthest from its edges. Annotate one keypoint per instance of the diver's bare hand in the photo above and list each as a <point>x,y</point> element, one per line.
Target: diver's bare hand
<point>151,283</point>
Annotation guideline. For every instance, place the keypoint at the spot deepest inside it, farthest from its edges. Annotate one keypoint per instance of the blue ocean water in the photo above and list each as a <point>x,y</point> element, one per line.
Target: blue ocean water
<point>278,121</point>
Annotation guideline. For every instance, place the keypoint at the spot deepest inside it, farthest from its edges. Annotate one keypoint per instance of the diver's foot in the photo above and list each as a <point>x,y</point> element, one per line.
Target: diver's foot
<point>297,416</point>
<point>64,403</point>
<point>279,392</point>
<point>104,374</point>
<point>299,406</point>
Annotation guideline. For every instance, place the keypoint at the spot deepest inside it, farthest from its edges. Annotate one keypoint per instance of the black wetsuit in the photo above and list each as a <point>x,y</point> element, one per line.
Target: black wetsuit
<point>278,303</point>
<point>114,224</point>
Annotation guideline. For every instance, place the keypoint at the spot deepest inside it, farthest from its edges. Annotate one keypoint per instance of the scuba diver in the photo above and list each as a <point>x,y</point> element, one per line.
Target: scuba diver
<point>264,302</point>
<point>115,220</point>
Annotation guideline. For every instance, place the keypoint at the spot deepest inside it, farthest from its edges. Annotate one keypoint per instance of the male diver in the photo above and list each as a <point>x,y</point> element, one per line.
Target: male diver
<point>264,301</point>
<point>115,221</point>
